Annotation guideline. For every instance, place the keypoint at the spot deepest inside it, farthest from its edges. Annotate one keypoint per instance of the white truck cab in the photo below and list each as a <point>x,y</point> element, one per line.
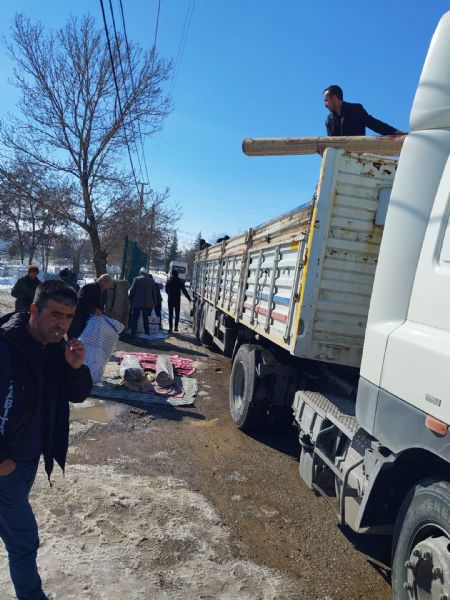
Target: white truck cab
<point>403,398</point>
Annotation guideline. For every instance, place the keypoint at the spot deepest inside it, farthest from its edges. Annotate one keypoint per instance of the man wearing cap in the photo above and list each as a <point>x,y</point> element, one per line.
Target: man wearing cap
<point>142,296</point>
<point>24,289</point>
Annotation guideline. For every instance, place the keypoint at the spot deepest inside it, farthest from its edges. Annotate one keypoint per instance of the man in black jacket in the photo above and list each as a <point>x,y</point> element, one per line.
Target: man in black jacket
<point>350,119</point>
<point>39,375</point>
<point>25,287</point>
<point>174,287</point>
<point>142,297</point>
<point>91,301</point>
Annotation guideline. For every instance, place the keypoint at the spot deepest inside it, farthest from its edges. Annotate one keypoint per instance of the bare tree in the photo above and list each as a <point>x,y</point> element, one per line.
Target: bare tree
<point>189,252</point>
<point>148,223</point>
<point>30,207</point>
<point>73,245</point>
<point>71,122</point>
<point>12,207</point>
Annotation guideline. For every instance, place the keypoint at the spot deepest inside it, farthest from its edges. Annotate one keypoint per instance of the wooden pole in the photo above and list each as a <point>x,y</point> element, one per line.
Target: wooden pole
<point>385,145</point>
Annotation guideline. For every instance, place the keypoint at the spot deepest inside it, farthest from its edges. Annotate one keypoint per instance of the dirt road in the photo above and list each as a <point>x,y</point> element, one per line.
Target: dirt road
<point>176,503</point>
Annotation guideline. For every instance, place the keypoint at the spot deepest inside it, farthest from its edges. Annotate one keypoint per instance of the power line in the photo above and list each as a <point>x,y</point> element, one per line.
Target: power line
<point>124,85</point>
<point>184,34</point>
<point>157,23</point>
<point>118,94</point>
<point>127,46</point>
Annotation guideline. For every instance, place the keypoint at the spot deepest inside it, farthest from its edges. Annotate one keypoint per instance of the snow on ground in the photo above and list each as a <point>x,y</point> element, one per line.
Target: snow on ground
<point>6,283</point>
<point>6,300</point>
<point>107,534</point>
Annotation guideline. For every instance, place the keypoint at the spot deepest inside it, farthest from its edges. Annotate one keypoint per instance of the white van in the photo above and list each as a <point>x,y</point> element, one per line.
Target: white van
<point>179,265</point>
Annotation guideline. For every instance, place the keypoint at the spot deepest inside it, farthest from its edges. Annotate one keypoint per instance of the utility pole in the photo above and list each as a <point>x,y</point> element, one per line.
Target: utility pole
<point>150,237</point>
<point>141,210</point>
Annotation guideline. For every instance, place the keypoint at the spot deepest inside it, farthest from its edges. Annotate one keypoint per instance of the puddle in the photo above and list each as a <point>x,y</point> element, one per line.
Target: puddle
<point>99,413</point>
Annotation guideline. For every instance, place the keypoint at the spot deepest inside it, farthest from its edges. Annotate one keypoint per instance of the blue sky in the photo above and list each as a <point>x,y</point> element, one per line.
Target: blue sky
<point>257,68</point>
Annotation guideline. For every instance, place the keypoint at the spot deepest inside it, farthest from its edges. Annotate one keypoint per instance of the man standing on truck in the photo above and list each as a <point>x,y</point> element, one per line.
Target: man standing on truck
<point>174,287</point>
<point>350,119</point>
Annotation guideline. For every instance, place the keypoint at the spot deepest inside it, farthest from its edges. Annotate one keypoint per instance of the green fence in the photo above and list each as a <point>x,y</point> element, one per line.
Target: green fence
<point>133,259</point>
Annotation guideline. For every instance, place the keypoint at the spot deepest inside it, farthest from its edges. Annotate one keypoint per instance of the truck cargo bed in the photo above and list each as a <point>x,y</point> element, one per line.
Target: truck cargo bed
<point>304,280</point>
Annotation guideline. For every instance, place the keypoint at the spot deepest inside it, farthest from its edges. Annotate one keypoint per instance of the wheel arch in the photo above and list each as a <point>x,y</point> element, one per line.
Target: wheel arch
<point>395,480</point>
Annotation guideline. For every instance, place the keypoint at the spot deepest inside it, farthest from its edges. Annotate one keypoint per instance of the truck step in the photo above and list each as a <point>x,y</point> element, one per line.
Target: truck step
<point>337,409</point>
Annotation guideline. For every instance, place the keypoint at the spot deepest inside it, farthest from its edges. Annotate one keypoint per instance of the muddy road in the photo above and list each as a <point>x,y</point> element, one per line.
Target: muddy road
<point>162,502</point>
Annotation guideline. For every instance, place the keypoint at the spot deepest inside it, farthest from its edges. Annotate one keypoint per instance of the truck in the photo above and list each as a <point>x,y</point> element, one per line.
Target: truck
<point>179,265</point>
<point>337,315</point>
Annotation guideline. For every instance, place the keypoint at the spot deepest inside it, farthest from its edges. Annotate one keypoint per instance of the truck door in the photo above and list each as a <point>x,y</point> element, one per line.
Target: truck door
<point>417,361</point>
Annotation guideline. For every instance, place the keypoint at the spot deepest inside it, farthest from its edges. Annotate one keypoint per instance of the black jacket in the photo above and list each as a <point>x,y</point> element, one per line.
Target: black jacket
<point>142,292</point>
<point>23,291</point>
<point>353,121</point>
<point>90,297</point>
<point>20,380</point>
<point>174,287</point>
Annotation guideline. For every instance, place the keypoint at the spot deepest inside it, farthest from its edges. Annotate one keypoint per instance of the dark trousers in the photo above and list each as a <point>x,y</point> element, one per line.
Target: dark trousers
<point>135,318</point>
<point>174,306</point>
<point>19,532</point>
<point>158,311</point>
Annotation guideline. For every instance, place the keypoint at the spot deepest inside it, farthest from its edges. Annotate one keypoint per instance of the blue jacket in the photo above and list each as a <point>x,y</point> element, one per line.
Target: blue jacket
<point>20,381</point>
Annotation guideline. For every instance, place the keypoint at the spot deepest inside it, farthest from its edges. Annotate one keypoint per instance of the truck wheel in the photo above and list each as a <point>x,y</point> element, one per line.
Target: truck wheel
<point>248,402</point>
<point>421,546</point>
<point>203,335</point>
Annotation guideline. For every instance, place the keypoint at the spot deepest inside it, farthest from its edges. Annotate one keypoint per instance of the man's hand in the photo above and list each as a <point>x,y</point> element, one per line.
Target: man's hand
<point>98,312</point>
<point>74,353</point>
<point>7,467</point>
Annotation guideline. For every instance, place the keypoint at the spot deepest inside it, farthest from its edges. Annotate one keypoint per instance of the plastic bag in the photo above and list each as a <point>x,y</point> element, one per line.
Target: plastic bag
<point>99,338</point>
<point>153,321</point>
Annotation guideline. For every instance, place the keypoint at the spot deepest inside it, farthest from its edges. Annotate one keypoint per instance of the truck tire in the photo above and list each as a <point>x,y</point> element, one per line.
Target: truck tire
<point>421,557</point>
<point>248,402</point>
<point>203,335</point>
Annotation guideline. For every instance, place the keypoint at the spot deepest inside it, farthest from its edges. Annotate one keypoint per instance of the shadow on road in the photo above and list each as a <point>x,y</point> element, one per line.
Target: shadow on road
<point>377,549</point>
<point>167,412</point>
<point>163,346</point>
<point>285,440</point>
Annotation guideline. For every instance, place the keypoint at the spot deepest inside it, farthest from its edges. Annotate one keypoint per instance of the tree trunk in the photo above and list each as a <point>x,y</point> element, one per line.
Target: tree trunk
<point>76,259</point>
<point>99,253</point>
<point>20,242</point>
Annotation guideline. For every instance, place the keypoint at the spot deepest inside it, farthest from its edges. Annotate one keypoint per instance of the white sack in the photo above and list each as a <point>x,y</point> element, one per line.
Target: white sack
<point>99,338</point>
